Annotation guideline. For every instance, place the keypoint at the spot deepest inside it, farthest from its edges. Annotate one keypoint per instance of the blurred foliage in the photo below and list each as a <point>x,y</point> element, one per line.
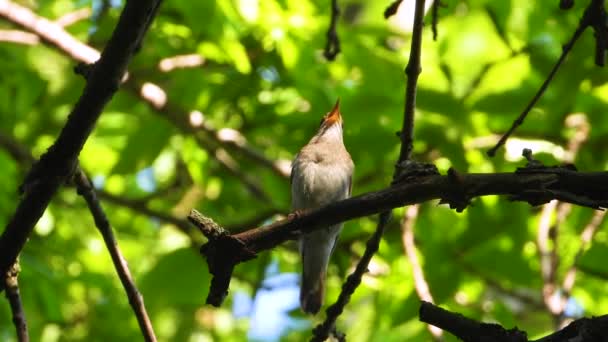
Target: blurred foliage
<point>264,76</point>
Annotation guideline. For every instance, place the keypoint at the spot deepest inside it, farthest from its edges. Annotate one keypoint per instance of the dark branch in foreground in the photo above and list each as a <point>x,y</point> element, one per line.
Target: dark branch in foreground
<point>391,10</point>
<point>332,46</point>
<point>412,70</point>
<point>322,331</point>
<point>58,163</point>
<point>594,16</point>
<point>533,185</point>
<point>14,298</point>
<point>103,225</point>
<point>469,330</point>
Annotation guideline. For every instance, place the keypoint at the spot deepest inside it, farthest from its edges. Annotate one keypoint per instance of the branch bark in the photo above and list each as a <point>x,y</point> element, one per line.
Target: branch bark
<point>469,330</point>
<point>535,186</point>
<point>120,264</point>
<point>14,298</point>
<point>58,163</point>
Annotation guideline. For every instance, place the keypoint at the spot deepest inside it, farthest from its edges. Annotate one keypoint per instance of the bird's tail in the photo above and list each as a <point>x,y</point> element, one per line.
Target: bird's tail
<point>316,249</point>
<point>312,291</point>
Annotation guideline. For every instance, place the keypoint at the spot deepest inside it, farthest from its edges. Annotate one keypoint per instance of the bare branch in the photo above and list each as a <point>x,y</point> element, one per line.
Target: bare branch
<point>469,330</point>
<point>14,298</point>
<point>322,331</point>
<point>590,17</point>
<point>392,9</point>
<point>18,37</point>
<point>59,161</point>
<point>533,186</point>
<point>411,252</point>
<point>332,47</point>
<point>412,70</point>
<point>120,264</point>
<point>72,18</point>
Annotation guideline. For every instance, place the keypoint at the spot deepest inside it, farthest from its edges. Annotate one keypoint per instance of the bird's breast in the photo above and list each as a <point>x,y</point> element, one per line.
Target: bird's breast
<point>316,183</point>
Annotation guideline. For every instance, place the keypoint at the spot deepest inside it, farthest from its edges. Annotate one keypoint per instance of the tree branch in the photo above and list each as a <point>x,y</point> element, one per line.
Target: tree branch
<point>322,331</point>
<point>59,161</point>
<point>402,169</point>
<point>412,70</point>
<point>332,46</point>
<point>594,16</point>
<point>136,300</point>
<point>535,186</point>
<point>469,330</point>
<point>56,37</point>
<point>411,252</point>
<point>14,298</point>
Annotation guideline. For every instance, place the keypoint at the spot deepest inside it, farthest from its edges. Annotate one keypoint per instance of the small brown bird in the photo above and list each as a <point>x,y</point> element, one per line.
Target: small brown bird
<point>321,173</point>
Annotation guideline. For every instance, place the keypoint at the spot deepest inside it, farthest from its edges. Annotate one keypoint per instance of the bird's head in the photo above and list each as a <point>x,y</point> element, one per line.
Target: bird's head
<point>331,125</point>
<point>333,117</point>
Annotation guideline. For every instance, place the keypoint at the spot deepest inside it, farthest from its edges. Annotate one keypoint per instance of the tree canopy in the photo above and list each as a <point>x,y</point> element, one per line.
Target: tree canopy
<point>217,100</point>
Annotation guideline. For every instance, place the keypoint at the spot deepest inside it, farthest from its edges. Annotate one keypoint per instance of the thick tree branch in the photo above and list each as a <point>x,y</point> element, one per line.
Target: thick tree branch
<point>535,186</point>
<point>14,298</point>
<point>120,264</point>
<point>469,330</point>
<point>56,165</point>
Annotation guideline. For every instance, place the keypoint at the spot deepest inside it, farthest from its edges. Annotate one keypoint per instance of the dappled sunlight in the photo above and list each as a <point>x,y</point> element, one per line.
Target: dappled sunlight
<point>219,99</point>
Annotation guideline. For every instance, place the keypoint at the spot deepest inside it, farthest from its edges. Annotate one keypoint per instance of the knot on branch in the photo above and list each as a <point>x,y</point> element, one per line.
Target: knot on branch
<point>84,69</point>
<point>47,170</point>
<point>458,198</point>
<point>408,170</point>
<point>544,186</point>
<point>223,252</point>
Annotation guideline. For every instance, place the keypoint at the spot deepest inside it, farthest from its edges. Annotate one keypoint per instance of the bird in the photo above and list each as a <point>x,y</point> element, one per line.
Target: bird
<point>321,174</point>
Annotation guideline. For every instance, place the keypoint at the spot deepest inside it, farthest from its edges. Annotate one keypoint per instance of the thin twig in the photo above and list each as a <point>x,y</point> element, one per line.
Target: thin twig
<point>409,246</point>
<point>548,247</point>
<point>586,238</point>
<point>322,331</point>
<point>436,5</point>
<point>56,165</point>
<point>332,46</point>
<point>73,17</point>
<point>392,9</point>
<point>19,37</point>
<point>412,70</point>
<point>586,21</point>
<point>120,264</point>
<point>14,298</point>
<point>547,232</point>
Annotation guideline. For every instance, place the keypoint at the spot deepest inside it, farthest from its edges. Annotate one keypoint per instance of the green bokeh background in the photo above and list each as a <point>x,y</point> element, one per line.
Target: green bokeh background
<point>264,76</point>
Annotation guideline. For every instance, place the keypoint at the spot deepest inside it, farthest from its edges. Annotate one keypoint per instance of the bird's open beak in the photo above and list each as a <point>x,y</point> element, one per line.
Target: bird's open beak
<point>334,115</point>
